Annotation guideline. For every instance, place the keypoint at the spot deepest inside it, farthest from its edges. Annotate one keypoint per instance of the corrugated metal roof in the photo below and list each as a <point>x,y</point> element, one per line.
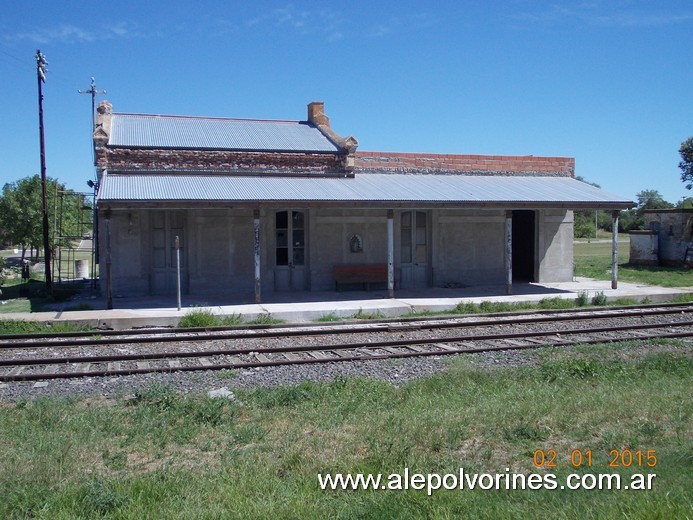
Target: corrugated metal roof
<point>366,188</point>
<point>153,131</point>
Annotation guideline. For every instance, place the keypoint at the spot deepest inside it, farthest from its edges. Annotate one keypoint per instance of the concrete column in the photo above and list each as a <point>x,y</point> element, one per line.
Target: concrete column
<point>109,278</point>
<point>390,253</point>
<point>614,249</point>
<point>509,252</point>
<point>256,248</point>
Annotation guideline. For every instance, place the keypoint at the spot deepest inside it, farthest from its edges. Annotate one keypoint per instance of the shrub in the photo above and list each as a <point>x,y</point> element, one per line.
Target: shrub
<point>583,299</point>
<point>199,318</point>
<point>599,299</point>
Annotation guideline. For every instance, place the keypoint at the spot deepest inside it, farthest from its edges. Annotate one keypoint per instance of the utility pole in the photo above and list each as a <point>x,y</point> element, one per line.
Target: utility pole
<point>95,216</point>
<point>41,76</point>
<point>93,91</point>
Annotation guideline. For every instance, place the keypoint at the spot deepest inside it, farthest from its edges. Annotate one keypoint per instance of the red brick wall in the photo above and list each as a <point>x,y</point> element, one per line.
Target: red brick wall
<point>499,164</point>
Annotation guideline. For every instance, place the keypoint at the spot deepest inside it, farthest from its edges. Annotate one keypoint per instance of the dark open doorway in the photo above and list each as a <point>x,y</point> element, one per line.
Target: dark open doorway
<point>523,245</point>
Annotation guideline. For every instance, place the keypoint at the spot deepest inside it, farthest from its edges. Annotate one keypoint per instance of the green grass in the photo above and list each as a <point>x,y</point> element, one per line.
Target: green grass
<point>266,319</point>
<point>329,317</point>
<point>162,455</point>
<point>28,327</point>
<point>593,260</point>
<point>201,318</point>
<point>361,315</point>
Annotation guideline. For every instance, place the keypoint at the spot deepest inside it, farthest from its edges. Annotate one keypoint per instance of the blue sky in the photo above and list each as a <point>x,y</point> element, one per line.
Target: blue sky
<point>607,82</point>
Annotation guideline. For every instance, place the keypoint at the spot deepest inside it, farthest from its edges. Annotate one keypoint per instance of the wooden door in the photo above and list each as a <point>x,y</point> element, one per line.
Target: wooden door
<point>166,226</point>
<point>290,250</point>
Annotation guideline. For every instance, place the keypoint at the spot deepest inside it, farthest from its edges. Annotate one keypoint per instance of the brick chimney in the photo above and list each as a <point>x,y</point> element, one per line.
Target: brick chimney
<point>316,114</point>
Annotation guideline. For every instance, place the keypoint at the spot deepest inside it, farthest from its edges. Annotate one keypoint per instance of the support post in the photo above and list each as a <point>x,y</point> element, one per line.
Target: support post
<point>256,248</point>
<point>109,281</point>
<point>177,244</point>
<point>390,254</point>
<point>509,252</point>
<point>614,249</point>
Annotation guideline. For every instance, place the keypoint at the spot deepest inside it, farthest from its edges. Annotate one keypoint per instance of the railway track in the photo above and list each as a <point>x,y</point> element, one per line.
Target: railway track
<point>27,358</point>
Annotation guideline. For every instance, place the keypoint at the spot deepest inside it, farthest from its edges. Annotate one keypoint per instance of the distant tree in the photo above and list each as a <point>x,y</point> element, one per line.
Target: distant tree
<point>634,218</point>
<point>584,220</point>
<point>651,199</point>
<point>686,163</point>
<point>21,216</point>
<point>685,203</point>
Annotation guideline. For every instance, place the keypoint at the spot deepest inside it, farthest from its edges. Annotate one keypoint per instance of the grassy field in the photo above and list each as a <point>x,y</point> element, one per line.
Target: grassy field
<point>593,260</point>
<point>161,455</point>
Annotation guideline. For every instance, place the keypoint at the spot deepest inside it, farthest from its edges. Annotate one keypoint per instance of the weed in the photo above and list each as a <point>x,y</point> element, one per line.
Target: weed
<point>199,318</point>
<point>570,368</point>
<point>556,303</point>
<point>29,327</point>
<point>248,433</point>
<point>159,396</point>
<point>599,299</point>
<point>524,431</point>
<point>227,374</point>
<point>204,318</point>
<point>266,319</point>
<point>117,460</point>
<point>583,299</point>
<point>329,317</point>
<point>360,315</point>
<point>102,498</point>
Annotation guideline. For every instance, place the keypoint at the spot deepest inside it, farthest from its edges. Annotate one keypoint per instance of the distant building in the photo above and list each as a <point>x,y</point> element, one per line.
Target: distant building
<point>268,206</point>
<point>666,240</point>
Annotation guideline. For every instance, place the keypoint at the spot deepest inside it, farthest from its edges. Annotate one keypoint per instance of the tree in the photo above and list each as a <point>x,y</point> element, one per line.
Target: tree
<point>686,163</point>
<point>651,199</point>
<point>634,218</point>
<point>21,216</point>
<point>685,203</point>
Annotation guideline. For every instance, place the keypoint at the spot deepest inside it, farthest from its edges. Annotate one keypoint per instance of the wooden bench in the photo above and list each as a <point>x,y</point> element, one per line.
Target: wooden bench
<point>362,275</point>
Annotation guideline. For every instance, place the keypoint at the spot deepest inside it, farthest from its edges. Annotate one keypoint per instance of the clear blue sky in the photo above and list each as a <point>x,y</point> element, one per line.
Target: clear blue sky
<point>608,82</point>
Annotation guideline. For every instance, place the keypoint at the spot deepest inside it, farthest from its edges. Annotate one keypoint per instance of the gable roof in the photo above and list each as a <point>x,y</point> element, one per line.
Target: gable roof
<point>211,133</point>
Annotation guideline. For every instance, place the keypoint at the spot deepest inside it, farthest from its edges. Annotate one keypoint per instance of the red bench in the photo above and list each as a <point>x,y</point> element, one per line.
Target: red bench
<point>360,274</point>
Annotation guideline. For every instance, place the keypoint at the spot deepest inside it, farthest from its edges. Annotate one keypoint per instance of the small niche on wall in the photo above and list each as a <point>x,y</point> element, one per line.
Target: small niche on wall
<point>356,244</point>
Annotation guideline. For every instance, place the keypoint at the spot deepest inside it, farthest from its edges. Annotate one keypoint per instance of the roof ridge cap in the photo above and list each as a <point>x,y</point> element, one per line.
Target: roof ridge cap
<point>217,118</point>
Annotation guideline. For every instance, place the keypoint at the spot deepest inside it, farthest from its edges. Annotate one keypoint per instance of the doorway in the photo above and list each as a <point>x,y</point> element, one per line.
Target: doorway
<point>166,226</point>
<point>524,238</point>
<point>290,250</point>
<point>414,249</point>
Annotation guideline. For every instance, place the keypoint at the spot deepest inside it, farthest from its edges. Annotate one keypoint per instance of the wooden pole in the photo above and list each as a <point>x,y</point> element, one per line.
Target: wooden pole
<point>41,74</point>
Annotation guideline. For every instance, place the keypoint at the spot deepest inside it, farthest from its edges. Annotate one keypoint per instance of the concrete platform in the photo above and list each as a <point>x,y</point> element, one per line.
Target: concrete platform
<point>306,307</point>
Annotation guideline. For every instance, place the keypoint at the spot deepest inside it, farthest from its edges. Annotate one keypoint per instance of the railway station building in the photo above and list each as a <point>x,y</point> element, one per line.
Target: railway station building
<point>242,208</point>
